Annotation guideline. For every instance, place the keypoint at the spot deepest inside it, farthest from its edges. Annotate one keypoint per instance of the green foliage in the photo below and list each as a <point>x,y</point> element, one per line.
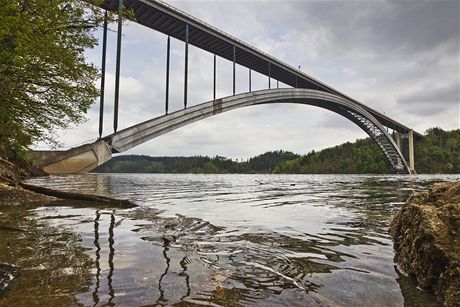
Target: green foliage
<point>206,165</point>
<point>266,163</point>
<point>360,157</point>
<point>45,82</point>
<point>437,152</point>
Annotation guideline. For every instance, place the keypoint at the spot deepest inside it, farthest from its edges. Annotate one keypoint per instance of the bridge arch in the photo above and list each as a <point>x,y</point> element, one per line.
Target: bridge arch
<point>355,112</point>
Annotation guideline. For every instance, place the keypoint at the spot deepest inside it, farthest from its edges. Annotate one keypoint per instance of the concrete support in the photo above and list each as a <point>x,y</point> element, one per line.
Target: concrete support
<point>269,75</point>
<point>81,159</point>
<point>397,137</point>
<point>214,95</point>
<point>250,81</point>
<point>186,65</point>
<point>168,52</point>
<point>117,68</point>
<point>104,57</point>
<point>234,70</point>
<point>411,151</point>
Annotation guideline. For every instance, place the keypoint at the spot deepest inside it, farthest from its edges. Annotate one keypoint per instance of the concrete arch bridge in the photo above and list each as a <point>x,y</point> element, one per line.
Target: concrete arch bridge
<point>87,157</point>
<point>176,24</point>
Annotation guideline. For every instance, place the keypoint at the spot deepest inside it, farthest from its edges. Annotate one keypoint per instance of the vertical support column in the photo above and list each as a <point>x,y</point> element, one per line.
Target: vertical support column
<point>277,84</point>
<point>214,77</point>
<point>250,81</point>
<point>269,74</point>
<point>398,140</point>
<point>104,56</point>
<point>167,74</point>
<point>117,69</point>
<point>186,66</point>
<point>234,59</point>
<point>411,151</point>
<point>296,85</point>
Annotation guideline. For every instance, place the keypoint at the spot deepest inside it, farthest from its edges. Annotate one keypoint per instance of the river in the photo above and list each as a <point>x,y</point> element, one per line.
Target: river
<point>262,240</point>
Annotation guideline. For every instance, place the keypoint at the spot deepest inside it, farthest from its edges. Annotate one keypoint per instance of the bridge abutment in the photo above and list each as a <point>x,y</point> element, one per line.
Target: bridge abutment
<point>77,160</point>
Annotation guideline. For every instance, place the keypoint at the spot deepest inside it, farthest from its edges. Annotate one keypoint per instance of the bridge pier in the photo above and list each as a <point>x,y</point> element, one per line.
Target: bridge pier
<point>410,147</point>
<point>397,137</point>
<point>411,151</point>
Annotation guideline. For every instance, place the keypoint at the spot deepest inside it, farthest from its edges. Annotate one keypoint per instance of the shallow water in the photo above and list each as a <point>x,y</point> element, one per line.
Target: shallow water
<point>304,240</point>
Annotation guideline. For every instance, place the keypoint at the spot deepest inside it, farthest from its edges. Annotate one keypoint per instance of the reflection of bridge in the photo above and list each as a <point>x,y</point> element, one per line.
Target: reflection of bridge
<point>177,24</point>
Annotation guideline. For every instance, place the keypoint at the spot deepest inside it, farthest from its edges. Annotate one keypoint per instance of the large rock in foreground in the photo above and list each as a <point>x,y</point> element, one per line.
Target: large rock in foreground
<point>426,234</point>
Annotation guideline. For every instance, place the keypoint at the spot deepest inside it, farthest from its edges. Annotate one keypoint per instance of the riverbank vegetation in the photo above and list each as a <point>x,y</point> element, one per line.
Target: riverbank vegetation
<point>46,83</point>
<point>437,152</point>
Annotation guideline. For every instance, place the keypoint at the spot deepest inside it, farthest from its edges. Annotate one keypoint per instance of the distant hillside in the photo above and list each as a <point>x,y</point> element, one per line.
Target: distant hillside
<point>437,152</point>
<point>360,157</point>
<point>264,163</point>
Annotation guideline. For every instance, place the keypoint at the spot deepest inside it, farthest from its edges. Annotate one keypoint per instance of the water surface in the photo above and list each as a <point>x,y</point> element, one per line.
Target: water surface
<point>303,240</point>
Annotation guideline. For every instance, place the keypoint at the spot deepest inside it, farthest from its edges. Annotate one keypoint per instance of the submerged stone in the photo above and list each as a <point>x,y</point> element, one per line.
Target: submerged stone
<point>7,273</point>
<point>426,234</point>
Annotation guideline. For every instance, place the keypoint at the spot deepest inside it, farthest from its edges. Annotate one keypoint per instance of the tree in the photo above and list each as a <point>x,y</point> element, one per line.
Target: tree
<point>45,82</point>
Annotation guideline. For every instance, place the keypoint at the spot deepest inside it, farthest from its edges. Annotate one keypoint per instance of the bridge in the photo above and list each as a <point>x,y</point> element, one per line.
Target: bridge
<point>304,89</point>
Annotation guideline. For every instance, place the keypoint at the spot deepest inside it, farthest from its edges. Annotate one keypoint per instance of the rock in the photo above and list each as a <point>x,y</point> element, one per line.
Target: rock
<point>426,234</point>
<point>7,273</point>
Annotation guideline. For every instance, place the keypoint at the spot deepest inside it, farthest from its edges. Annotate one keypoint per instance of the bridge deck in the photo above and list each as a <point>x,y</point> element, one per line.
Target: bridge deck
<point>171,21</point>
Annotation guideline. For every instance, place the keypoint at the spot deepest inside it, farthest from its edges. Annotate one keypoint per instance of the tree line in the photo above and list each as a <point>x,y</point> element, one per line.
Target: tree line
<point>437,152</point>
<point>264,163</point>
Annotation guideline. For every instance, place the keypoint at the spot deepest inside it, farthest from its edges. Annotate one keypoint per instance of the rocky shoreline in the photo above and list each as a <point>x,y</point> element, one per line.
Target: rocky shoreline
<point>426,234</point>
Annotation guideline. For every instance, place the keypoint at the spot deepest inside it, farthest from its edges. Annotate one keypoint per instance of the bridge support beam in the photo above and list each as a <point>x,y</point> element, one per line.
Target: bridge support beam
<point>411,151</point>
<point>397,137</point>
<point>186,66</point>
<point>117,69</point>
<point>168,51</point>
<point>250,86</point>
<point>269,75</point>
<point>104,56</point>
<point>234,70</point>
<point>214,78</point>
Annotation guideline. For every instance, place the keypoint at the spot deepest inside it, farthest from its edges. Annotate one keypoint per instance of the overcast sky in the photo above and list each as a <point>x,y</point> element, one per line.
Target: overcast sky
<point>399,57</point>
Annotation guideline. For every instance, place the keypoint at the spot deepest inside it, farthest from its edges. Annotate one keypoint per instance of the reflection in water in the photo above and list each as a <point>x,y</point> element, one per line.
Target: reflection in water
<point>96,299</point>
<point>161,300</point>
<point>53,266</point>
<point>98,257</point>
<point>226,240</point>
<point>111,255</point>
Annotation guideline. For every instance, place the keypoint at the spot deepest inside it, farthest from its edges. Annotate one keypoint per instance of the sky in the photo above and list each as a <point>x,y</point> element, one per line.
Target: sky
<point>399,57</point>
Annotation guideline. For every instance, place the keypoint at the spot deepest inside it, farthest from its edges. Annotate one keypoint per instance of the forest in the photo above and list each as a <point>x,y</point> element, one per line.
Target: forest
<point>437,152</point>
